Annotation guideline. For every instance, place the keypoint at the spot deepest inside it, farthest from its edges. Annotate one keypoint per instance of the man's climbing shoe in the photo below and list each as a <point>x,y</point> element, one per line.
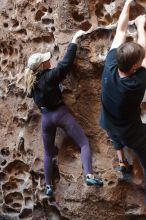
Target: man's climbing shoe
<point>90,180</point>
<point>125,167</point>
<point>49,191</point>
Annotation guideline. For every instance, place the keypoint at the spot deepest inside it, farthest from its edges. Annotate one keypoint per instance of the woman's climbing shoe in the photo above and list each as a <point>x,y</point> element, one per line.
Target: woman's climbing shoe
<point>90,180</point>
<point>49,190</point>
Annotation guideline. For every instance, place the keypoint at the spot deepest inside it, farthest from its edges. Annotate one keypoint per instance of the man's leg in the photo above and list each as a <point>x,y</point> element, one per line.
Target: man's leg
<point>118,146</point>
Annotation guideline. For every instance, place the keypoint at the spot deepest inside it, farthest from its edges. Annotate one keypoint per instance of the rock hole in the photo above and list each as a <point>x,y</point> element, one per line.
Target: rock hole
<point>47,39</point>
<point>4,62</point>
<point>56,48</point>
<point>56,174</point>
<point>65,209</point>
<point>11,50</point>
<point>116,15</point>
<point>111,182</point>
<point>108,19</point>
<point>10,210</point>
<point>85,26</point>
<point>35,175</point>
<point>14,196</point>
<point>3,163</point>
<point>21,145</point>
<point>16,50</point>
<point>5,51</point>
<point>53,29</point>
<point>22,31</point>
<point>18,166</point>
<point>26,213</point>
<point>38,15</point>
<point>4,13</point>
<point>11,185</point>
<point>3,177</point>
<point>15,23</point>
<point>33,9</point>
<point>37,161</point>
<point>5,151</point>
<point>9,200</point>
<point>46,20</point>
<point>2,45</point>
<point>27,192</point>
<point>30,152</point>
<point>8,188</point>
<point>18,155</point>
<point>99,10</point>
<point>12,64</point>
<point>50,10</point>
<point>73,2</point>
<point>37,39</point>
<point>129,39</point>
<point>5,25</point>
<point>43,8</point>
<point>77,17</point>
<point>16,205</point>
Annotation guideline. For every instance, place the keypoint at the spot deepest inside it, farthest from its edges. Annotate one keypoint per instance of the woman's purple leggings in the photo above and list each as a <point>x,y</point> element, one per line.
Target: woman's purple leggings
<point>63,119</point>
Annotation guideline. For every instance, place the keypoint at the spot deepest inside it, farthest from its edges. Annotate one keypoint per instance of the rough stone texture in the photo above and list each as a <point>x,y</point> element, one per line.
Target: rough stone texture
<point>37,26</point>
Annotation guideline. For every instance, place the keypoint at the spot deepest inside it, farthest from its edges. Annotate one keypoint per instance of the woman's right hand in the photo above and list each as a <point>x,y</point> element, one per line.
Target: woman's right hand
<point>77,35</point>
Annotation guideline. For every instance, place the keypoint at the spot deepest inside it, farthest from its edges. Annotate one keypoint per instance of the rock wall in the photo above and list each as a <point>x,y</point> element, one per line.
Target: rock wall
<point>38,26</point>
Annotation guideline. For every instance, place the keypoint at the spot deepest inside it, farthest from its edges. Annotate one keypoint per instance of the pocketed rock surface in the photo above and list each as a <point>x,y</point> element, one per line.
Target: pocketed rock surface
<point>38,26</point>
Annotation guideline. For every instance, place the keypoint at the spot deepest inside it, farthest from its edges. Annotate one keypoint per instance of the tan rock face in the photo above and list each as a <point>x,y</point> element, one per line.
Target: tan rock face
<point>38,26</point>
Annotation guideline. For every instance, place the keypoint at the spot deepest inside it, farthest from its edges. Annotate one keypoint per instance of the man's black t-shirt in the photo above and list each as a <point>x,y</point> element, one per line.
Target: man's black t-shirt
<point>121,98</point>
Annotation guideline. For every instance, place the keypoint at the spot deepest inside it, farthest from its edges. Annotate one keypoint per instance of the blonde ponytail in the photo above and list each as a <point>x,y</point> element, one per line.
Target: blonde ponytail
<point>29,80</point>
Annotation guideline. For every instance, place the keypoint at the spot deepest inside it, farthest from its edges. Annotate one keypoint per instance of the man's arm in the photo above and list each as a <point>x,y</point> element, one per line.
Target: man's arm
<point>122,25</point>
<point>140,22</point>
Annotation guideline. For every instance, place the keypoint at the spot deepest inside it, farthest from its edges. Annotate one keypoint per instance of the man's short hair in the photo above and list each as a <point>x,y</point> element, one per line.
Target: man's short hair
<point>129,54</point>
